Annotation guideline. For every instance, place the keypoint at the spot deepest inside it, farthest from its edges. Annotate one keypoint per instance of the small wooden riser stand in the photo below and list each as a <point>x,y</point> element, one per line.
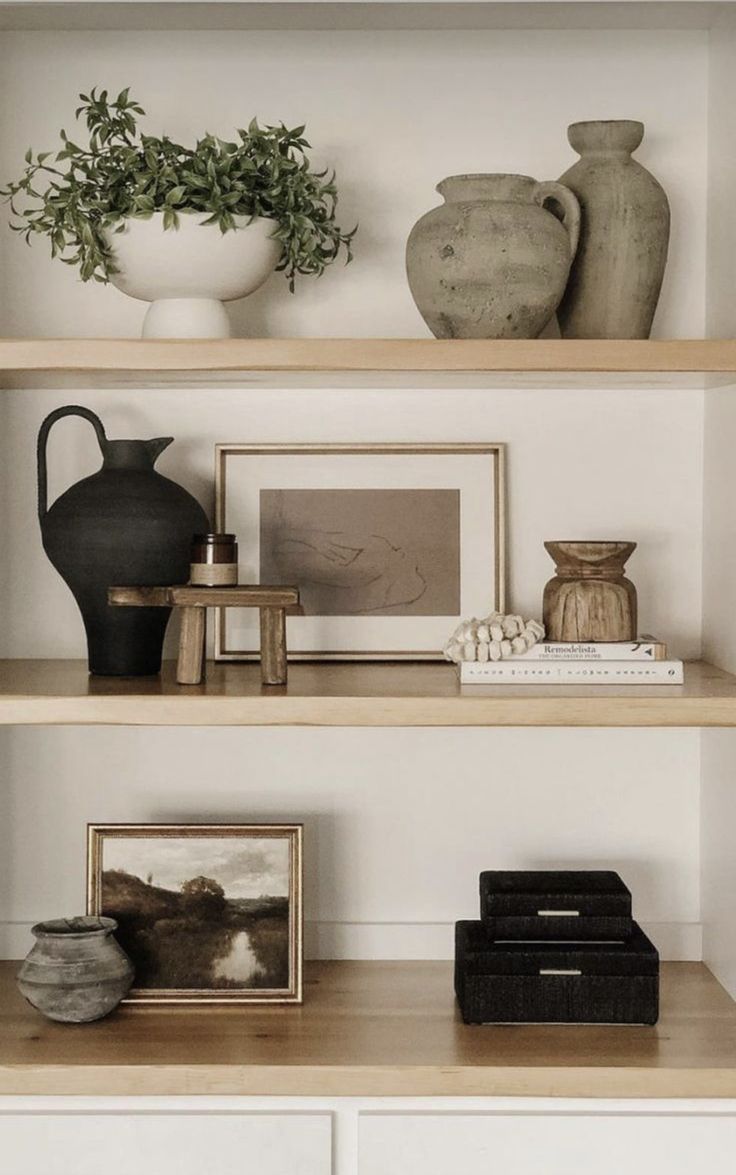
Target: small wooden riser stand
<point>193,603</point>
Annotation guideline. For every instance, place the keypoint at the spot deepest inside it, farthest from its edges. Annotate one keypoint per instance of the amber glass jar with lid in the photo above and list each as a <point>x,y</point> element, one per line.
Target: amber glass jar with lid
<point>214,560</point>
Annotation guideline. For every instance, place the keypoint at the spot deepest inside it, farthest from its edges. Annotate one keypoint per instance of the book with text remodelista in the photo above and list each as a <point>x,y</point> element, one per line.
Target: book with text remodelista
<point>646,648</point>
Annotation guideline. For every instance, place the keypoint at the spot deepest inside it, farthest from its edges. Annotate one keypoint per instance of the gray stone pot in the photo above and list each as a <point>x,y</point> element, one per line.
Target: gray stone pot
<point>617,274</point>
<point>493,261</point>
<point>76,971</point>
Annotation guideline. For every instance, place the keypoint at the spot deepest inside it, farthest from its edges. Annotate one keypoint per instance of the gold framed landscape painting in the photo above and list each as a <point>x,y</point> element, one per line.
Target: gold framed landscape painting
<point>207,912</point>
<point>390,545</point>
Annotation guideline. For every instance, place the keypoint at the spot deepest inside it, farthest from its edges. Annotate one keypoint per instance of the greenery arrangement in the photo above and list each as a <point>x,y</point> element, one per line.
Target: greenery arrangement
<point>80,194</point>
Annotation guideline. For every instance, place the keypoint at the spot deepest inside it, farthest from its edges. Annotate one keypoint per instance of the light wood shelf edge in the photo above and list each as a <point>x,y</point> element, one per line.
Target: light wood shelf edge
<point>117,1080</point>
<point>373,1029</point>
<point>368,355</point>
<point>391,694</point>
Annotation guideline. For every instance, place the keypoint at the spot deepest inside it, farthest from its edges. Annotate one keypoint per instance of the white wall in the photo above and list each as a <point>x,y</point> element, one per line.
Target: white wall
<point>393,852</point>
<point>579,465</point>
<point>721,237</point>
<point>389,842</point>
<point>719,747</point>
<point>718,816</point>
<point>719,529</point>
<point>719,525</point>
<point>398,823</point>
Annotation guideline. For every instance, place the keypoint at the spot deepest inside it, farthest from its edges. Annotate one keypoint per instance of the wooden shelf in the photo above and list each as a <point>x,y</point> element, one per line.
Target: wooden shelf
<point>390,355</point>
<point>499,362</point>
<point>364,14</point>
<point>388,694</point>
<point>388,1029</point>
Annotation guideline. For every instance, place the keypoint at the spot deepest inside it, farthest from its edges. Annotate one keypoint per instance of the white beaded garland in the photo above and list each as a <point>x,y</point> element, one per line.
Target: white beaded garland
<point>493,638</point>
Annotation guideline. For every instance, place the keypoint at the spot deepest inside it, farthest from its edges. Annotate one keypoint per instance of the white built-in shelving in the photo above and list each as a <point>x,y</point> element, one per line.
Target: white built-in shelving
<point>396,95</point>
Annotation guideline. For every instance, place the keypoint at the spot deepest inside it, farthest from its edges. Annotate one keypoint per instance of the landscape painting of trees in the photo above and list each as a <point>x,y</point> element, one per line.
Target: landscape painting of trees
<point>207,912</point>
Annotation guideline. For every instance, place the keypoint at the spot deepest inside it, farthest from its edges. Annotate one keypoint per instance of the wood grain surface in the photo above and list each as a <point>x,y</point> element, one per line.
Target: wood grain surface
<point>369,355</point>
<point>375,1028</point>
<point>358,694</point>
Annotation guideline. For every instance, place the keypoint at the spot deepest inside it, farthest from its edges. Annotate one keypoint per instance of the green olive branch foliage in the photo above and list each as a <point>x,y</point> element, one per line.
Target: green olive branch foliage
<point>79,195</point>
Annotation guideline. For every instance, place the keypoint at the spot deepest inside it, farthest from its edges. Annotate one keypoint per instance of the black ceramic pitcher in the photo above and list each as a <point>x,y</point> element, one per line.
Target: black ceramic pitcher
<point>124,525</point>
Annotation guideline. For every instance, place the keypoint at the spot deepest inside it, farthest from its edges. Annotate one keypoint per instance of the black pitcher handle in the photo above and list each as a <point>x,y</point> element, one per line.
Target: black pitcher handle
<point>43,432</point>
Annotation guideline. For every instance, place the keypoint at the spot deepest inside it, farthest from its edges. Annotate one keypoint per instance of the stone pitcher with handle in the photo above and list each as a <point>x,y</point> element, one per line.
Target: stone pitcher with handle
<point>493,261</point>
<point>125,525</point>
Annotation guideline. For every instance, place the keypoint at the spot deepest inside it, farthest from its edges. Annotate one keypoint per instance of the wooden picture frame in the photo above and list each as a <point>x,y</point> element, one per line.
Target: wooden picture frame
<point>209,913</point>
<point>430,516</point>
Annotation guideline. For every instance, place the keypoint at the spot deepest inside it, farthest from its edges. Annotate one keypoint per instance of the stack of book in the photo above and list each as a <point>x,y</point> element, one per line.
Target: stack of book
<point>640,662</point>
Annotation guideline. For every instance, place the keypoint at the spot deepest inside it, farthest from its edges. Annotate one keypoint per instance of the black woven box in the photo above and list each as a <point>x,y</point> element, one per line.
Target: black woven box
<point>555,983</point>
<point>570,905</point>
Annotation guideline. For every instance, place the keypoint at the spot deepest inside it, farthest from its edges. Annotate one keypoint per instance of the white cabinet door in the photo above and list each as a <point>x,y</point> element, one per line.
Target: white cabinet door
<point>165,1144</point>
<point>533,1144</point>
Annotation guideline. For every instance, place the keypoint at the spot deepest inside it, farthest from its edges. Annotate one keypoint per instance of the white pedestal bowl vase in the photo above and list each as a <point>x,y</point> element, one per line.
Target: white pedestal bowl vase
<point>187,273</point>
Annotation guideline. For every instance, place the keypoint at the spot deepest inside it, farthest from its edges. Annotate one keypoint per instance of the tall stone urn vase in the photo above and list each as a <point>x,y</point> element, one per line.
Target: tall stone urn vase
<point>589,598</point>
<point>617,274</point>
<point>493,261</point>
<point>76,972</point>
<point>125,525</point>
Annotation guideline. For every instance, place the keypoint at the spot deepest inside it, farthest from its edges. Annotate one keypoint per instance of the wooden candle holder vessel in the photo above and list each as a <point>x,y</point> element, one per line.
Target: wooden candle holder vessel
<point>193,602</point>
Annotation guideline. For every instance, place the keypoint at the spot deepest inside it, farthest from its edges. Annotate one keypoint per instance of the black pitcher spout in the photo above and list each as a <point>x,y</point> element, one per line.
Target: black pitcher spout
<point>133,455</point>
<point>157,446</point>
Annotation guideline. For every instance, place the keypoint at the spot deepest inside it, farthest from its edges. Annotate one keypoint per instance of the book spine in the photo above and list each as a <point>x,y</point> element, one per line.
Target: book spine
<point>644,650</point>
<point>517,672</point>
